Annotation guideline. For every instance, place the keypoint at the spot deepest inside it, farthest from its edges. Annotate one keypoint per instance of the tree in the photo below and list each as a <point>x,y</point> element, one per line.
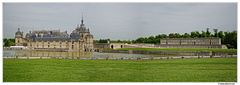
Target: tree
<point>119,41</point>
<point>139,40</point>
<point>227,38</point>
<point>164,36</point>
<point>6,41</point>
<point>234,39</point>
<point>171,35</point>
<point>186,35</point>
<point>95,41</point>
<point>151,39</point>
<point>208,34</point>
<point>203,34</point>
<point>104,40</point>
<point>221,35</point>
<point>9,42</point>
<point>177,35</point>
<point>230,39</point>
<point>193,34</point>
<point>215,32</point>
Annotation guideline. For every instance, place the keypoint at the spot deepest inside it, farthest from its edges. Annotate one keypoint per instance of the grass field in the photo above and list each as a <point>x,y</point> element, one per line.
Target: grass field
<point>174,70</point>
<point>177,49</point>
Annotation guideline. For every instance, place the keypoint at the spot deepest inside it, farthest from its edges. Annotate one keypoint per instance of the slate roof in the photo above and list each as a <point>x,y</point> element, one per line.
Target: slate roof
<point>53,39</point>
<point>18,33</point>
<point>74,36</point>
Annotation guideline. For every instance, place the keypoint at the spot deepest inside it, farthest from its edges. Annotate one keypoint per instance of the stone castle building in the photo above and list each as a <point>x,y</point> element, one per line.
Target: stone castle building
<point>205,43</point>
<point>53,40</point>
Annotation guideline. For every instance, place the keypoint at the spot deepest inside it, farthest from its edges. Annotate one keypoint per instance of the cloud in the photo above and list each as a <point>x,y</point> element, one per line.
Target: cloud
<point>120,20</point>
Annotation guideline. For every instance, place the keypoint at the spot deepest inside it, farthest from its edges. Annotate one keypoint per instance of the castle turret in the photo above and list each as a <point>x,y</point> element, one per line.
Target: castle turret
<point>82,30</point>
<point>19,38</point>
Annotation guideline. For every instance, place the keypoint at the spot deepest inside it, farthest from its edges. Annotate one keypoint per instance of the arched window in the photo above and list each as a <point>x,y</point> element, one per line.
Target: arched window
<point>112,46</point>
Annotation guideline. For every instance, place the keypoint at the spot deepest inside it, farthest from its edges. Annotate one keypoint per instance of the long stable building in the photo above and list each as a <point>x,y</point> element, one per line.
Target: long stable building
<point>205,43</point>
<point>53,40</point>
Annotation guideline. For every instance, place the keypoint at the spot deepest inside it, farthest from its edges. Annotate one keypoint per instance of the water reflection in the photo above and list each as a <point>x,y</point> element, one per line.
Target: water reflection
<point>25,53</point>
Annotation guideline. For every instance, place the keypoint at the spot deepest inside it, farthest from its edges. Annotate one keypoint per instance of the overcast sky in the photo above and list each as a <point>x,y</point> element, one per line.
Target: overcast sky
<point>124,21</point>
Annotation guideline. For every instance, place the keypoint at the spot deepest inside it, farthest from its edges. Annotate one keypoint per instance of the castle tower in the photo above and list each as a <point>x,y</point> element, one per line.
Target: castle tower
<point>19,38</point>
<point>82,25</point>
<point>87,38</point>
<point>82,30</point>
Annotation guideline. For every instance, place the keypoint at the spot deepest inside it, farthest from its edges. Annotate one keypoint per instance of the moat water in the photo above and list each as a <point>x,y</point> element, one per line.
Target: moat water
<point>26,53</point>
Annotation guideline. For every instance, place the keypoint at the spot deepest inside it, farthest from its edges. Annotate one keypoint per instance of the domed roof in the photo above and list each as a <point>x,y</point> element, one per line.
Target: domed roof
<point>27,35</point>
<point>18,32</point>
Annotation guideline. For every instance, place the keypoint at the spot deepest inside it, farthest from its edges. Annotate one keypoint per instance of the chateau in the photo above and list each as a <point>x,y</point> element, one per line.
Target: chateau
<point>82,40</point>
<point>53,40</point>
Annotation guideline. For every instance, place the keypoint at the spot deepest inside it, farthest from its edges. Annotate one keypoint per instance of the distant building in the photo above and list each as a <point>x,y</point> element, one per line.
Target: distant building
<point>53,40</point>
<point>109,45</point>
<point>213,43</point>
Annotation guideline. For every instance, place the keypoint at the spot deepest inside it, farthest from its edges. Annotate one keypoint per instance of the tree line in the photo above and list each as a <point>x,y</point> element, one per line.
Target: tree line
<point>227,38</point>
<point>8,42</point>
<point>111,41</point>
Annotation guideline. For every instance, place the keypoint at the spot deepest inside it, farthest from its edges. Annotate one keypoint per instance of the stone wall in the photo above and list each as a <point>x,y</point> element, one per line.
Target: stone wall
<point>101,45</point>
<point>193,46</point>
<point>139,45</point>
<point>108,45</point>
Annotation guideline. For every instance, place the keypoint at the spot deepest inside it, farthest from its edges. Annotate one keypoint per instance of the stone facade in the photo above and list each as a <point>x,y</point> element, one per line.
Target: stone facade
<point>19,40</point>
<point>191,41</point>
<point>53,40</point>
<point>139,45</point>
<point>108,45</point>
<point>214,43</point>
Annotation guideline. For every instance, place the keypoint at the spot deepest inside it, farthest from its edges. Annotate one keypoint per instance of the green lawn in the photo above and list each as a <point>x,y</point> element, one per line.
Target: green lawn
<point>173,70</point>
<point>177,49</point>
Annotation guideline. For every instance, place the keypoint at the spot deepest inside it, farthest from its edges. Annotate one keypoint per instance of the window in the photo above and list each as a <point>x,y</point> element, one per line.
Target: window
<point>72,46</point>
